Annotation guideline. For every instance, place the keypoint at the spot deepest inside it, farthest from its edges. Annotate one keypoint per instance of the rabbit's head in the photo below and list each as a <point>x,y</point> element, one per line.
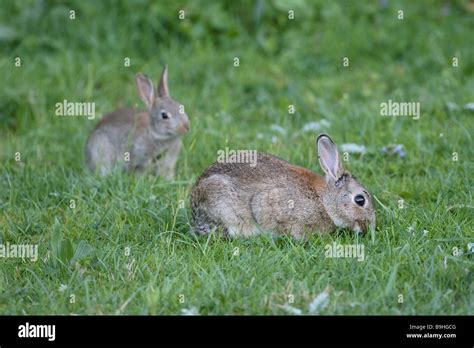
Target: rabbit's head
<point>168,117</point>
<point>347,202</point>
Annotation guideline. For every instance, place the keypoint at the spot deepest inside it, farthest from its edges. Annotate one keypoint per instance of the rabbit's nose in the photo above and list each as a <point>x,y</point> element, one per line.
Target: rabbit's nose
<point>184,127</point>
<point>359,230</point>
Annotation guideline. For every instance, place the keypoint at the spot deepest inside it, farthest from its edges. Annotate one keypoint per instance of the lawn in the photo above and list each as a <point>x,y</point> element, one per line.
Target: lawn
<point>122,244</point>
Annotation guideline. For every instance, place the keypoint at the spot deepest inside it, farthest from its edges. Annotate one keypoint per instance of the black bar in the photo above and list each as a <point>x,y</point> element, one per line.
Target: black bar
<point>249,329</point>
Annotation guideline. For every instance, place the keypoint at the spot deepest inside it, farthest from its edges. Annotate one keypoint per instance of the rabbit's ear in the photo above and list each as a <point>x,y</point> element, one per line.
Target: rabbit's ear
<point>163,85</point>
<point>145,89</point>
<point>329,158</point>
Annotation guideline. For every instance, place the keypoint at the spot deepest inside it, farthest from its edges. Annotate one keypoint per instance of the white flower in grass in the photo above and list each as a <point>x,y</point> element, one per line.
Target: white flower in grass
<point>190,311</point>
<point>469,106</point>
<point>319,302</point>
<point>396,149</point>
<point>452,106</point>
<point>274,140</point>
<point>278,129</point>
<point>470,248</point>
<point>316,126</point>
<point>353,148</point>
<point>425,233</point>
<point>62,287</point>
<point>292,310</point>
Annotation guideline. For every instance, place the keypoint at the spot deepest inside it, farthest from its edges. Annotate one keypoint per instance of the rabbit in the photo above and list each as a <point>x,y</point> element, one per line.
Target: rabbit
<point>274,195</point>
<point>140,140</point>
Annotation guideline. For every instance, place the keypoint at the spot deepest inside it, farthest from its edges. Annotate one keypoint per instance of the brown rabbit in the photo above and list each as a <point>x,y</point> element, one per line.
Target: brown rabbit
<point>135,140</point>
<point>275,195</point>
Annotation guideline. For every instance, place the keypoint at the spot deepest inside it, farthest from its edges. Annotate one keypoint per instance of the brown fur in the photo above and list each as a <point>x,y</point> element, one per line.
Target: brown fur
<point>311,179</point>
<point>277,196</point>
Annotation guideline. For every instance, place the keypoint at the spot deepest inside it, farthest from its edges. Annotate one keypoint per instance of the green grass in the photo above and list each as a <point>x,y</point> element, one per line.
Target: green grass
<point>281,63</point>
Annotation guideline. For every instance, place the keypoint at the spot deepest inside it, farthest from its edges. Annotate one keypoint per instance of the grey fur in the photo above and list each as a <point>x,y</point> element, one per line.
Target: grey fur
<point>137,140</point>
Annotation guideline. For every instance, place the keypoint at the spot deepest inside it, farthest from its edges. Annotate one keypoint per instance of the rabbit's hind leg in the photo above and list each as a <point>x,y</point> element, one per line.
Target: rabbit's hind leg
<point>100,155</point>
<point>216,204</point>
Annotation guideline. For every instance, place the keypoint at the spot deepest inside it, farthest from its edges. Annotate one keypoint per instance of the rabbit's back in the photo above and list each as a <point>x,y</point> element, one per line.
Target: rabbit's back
<point>124,117</point>
<point>268,170</point>
<point>274,194</point>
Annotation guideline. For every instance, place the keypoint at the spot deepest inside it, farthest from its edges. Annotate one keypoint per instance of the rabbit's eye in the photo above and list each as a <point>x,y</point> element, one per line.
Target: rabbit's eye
<point>164,115</point>
<point>360,200</point>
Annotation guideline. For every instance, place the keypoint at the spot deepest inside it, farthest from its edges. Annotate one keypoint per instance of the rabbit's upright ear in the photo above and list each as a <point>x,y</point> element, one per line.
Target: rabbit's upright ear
<point>163,85</point>
<point>329,158</point>
<point>145,89</point>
